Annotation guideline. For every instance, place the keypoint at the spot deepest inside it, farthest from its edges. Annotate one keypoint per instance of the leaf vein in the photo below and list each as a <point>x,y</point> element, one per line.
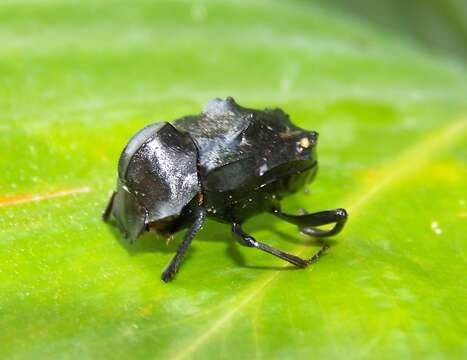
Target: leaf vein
<point>407,163</point>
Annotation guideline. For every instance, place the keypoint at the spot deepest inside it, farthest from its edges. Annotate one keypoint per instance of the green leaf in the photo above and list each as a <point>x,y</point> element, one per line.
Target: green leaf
<point>78,79</point>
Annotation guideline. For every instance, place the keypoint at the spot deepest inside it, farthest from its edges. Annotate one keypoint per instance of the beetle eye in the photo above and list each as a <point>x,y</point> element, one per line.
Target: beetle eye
<point>303,144</point>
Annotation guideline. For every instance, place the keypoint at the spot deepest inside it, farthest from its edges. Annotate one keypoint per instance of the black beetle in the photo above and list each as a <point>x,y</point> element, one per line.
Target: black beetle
<point>228,163</point>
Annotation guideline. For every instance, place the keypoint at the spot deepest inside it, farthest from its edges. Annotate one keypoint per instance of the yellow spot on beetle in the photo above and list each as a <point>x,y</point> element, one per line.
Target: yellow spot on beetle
<point>304,143</point>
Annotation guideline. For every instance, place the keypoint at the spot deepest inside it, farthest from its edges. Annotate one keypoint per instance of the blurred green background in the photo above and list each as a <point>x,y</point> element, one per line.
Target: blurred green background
<point>385,85</point>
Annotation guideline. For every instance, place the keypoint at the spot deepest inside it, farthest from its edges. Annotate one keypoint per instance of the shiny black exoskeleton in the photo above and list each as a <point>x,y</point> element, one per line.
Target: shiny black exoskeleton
<point>228,163</point>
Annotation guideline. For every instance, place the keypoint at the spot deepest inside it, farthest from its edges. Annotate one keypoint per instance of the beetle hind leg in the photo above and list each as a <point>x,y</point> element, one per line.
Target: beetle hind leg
<point>248,240</point>
<point>308,222</point>
<point>108,209</point>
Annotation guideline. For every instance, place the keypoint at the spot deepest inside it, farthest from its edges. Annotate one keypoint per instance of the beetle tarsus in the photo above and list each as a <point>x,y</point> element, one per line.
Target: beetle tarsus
<point>308,222</point>
<point>108,209</point>
<point>320,252</point>
<point>248,240</point>
<point>172,268</point>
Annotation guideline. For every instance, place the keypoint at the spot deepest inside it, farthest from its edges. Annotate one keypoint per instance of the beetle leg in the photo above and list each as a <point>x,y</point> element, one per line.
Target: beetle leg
<point>307,222</point>
<point>172,268</point>
<point>108,209</point>
<point>249,241</point>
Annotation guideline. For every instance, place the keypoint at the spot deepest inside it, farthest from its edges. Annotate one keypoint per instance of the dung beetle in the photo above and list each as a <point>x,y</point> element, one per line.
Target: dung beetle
<point>227,163</point>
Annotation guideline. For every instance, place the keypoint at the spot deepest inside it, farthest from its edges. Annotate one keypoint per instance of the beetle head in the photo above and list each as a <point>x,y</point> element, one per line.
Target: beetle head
<point>305,165</point>
<point>282,150</point>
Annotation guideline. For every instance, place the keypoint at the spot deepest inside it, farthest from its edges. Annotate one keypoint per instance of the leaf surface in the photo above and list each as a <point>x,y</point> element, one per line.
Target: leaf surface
<point>78,79</point>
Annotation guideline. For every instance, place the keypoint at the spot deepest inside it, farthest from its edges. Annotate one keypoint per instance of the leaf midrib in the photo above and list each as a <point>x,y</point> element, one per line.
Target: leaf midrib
<point>406,164</point>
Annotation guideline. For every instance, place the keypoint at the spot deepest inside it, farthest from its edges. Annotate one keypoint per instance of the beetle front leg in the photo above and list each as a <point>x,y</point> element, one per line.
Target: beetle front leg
<point>172,268</point>
<point>307,222</point>
<point>250,241</point>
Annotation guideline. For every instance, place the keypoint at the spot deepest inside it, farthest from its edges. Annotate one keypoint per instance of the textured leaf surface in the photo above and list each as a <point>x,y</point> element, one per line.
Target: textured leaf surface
<point>77,79</point>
